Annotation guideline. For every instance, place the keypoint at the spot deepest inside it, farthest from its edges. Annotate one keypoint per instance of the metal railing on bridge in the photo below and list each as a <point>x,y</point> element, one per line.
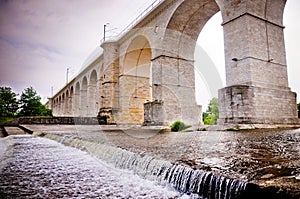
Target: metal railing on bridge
<point>133,22</point>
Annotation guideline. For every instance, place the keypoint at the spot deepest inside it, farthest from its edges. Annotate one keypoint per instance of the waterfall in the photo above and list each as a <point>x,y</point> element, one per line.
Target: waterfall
<point>196,183</point>
<point>201,184</point>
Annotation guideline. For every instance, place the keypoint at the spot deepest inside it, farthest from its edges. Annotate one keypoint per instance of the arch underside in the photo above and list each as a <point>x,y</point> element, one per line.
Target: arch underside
<point>134,81</point>
<point>173,70</point>
<point>185,25</point>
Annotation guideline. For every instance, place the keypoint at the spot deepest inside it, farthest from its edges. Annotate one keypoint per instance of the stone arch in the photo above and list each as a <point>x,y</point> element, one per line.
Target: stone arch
<point>76,106</point>
<point>56,106</point>
<point>92,94</point>
<point>71,97</point>
<point>63,104</point>
<point>67,113</point>
<point>138,56</point>
<point>134,81</point>
<point>173,68</point>
<point>59,105</point>
<point>53,106</point>
<point>93,77</point>
<point>185,25</point>
<point>83,97</point>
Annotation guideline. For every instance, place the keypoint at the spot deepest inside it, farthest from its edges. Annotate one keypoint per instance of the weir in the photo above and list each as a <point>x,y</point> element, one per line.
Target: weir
<point>195,183</point>
<point>202,184</point>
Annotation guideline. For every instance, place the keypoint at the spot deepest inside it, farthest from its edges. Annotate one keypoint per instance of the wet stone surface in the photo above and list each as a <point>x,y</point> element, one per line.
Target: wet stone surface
<point>40,168</point>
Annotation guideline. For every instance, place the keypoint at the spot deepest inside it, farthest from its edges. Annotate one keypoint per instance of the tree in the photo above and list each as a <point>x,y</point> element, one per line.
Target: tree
<point>8,102</point>
<point>298,105</point>
<point>31,104</point>
<point>212,113</point>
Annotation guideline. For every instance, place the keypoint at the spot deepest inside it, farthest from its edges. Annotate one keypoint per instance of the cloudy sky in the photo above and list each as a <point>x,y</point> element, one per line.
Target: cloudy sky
<point>40,39</point>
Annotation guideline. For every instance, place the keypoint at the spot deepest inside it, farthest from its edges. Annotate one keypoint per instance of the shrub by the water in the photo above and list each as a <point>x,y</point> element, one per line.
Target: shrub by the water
<point>179,126</point>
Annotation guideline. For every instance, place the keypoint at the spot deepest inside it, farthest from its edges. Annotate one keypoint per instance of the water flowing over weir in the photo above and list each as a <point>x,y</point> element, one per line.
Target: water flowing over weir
<point>200,184</point>
<point>196,183</point>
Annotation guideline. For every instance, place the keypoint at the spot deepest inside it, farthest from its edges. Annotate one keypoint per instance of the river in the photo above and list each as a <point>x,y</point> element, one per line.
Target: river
<point>33,167</point>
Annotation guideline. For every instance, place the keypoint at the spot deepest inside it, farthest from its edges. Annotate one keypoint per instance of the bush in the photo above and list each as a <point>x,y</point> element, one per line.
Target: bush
<point>179,126</point>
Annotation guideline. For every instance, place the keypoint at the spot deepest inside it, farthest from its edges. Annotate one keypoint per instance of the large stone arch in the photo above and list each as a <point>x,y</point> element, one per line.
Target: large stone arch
<point>63,104</point>
<point>66,108</point>
<point>76,107</point>
<point>92,94</point>
<point>71,98</point>
<point>134,81</point>
<point>54,109</point>
<point>83,97</point>
<point>256,75</point>
<point>173,64</point>
<point>185,25</point>
<point>137,58</point>
<point>60,105</point>
<point>57,107</point>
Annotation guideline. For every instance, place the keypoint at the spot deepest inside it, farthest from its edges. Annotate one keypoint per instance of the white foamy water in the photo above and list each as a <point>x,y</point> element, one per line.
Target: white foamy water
<point>41,168</point>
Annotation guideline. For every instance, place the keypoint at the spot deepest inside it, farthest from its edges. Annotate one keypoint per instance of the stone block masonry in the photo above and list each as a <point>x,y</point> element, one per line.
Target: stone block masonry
<point>153,63</point>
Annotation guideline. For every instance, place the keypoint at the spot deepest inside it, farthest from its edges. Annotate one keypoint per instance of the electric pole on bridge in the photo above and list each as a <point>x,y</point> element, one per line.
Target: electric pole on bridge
<point>104,30</point>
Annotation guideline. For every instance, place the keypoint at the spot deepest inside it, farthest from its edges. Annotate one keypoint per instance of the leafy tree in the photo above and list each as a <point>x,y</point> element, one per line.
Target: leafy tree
<point>212,113</point>
<point>298,105</point>
<point>8,102</point>
<point>31,104</point>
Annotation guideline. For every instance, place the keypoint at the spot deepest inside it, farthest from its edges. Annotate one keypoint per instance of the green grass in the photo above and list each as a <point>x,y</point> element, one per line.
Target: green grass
<point>3,120</point>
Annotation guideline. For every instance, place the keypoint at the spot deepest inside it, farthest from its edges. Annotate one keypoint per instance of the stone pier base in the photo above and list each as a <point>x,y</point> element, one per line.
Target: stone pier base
<point>243,104</point>
<point>157,113</point>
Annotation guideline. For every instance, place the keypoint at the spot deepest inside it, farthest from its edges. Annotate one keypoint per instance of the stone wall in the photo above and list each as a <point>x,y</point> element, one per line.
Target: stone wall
<point>55,120</point>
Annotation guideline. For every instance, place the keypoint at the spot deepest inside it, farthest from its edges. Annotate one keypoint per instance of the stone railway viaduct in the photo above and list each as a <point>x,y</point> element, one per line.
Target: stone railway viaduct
<point>146,75</point>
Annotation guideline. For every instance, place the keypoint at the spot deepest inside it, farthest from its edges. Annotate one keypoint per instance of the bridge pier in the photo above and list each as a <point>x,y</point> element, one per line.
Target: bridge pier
<point>109,93</point>
<point>243,104</point>
<point>173,92</point>
<point>256,71</point>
